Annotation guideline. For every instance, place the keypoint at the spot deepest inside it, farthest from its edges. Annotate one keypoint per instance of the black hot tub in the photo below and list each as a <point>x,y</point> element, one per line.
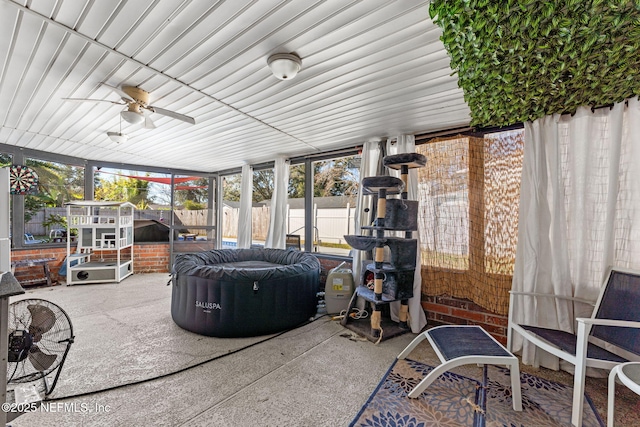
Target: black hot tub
<point>244,292</point>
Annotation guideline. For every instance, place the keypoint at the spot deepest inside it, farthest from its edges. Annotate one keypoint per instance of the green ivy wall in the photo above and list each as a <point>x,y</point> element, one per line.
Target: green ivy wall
<point>521,60</point>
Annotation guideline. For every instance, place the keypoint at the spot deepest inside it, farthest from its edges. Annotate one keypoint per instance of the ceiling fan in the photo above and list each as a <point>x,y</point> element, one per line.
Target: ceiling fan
<point>138,108</point>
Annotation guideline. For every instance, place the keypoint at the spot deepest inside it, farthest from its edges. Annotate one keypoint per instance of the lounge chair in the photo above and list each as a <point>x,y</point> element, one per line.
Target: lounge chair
<point>29,239</point>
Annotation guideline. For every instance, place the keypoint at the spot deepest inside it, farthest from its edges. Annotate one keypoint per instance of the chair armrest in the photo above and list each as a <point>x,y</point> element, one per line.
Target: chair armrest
<point>562,297</point>
<point>608,322</point>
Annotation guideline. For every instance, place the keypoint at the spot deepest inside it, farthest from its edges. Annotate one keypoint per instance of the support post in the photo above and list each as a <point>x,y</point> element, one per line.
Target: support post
<point>403,316</point>
<point>376,316</point>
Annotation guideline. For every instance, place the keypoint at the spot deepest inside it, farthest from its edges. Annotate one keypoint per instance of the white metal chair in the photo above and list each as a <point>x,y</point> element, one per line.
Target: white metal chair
<point>615,323</point>
<point>629,374</point>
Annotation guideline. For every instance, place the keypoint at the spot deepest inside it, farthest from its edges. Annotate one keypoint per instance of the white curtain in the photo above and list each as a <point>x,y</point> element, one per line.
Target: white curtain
<point>277,233</point>
<point>579,211</point>
<point>244,216</point>
<point>368,167</point>
<point>407,144</point>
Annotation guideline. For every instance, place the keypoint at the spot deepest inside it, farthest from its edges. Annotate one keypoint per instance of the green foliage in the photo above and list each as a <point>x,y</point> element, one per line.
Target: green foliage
<point>193,206</point>
<point>231,187</point>
<point>5,160</point>
<point>262,185</point>
<point>55,221</point>
<point>296,181</point>
<point>122,189</point>
<point>57,183</point>
<point>199,193</point>
<point>522,60</point>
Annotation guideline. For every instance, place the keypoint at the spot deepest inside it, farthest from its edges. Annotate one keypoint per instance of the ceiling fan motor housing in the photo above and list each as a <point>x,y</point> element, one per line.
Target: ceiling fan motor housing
<point>139,95</point>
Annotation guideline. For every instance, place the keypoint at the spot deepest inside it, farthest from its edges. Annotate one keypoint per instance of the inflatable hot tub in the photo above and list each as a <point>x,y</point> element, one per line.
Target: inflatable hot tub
<point>244,292</point>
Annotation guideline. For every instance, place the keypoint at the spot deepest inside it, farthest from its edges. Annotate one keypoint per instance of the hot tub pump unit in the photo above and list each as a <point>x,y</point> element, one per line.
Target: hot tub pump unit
<point>338,289</point>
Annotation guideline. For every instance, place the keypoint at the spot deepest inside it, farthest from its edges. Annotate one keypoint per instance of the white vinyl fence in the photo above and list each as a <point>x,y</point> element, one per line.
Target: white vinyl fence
<point>331,223</point>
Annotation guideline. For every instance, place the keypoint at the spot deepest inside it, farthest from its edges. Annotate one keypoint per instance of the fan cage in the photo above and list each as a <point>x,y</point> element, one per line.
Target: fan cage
<point>55,340</point>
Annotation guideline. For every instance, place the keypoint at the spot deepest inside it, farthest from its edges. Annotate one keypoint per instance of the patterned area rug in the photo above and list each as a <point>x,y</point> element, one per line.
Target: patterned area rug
<point>454,401</point>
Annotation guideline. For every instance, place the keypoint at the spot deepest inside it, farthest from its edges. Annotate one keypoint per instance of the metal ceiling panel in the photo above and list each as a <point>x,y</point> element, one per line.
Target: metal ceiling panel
<point>371,69</point>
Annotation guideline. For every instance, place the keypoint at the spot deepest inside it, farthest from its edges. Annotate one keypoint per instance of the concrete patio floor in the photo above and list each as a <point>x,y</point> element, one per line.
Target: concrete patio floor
<point>317,375</point>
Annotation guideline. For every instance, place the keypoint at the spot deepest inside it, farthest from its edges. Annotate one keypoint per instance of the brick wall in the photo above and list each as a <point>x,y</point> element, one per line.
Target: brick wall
<point>457,311</point>
<point>154,258</point>
<point>25,273</point>
<point>147,258</point>
<point>151,258</point>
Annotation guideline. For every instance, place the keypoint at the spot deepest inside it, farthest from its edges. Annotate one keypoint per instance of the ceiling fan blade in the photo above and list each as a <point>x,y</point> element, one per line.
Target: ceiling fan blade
<point>148,122</point>
<point>173,114</point>
<point>120,92</point>
<point>92,100</point>
<point>41,361</point>
<point>42,320</point>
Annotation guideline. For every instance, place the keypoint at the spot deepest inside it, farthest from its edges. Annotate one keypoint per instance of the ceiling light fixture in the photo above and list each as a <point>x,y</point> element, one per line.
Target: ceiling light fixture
<point>284,66</point>
<point>133,114</point>
<point>118,137</point>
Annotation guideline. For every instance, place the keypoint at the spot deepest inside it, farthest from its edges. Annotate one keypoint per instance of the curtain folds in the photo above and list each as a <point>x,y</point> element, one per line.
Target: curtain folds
<point>579,210</point>
<point>368,167</point>
<point>244,216</point>
<point>277,233</point>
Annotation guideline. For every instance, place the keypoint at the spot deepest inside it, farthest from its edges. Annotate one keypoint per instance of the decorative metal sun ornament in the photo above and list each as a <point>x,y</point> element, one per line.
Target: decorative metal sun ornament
<point>22,180</point>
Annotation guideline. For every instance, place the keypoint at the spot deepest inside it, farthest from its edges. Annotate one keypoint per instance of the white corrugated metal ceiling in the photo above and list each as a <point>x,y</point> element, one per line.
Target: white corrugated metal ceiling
<point>370,69</point>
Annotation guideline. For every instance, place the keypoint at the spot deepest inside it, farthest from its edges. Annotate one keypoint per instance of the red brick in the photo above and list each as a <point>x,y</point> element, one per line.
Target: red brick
<point>492,329</point>
<point>493,323</point>
<point>501,339</point>
<point>498,320</point>
<point>436,308</point>
<point>470,315</point>
<point>450,320</point>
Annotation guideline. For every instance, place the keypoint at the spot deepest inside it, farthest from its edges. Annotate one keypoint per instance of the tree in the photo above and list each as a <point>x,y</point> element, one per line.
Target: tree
<point>331,178</point>
<point>131,190</point>
<point>197,195</point>
<point>296,181</point>
<point>231,187</point>
<point>263,185</point>
<point>335,178</point>
<point>57,184</point>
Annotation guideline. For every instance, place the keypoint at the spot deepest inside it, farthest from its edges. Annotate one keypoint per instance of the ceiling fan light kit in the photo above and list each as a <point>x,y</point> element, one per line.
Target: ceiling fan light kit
<point>132,117</point>
<point>117,137</point>
<point>284,66</point>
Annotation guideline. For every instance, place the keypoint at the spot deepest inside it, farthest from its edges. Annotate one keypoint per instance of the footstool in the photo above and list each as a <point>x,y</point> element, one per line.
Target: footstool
<point>463,345</point>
